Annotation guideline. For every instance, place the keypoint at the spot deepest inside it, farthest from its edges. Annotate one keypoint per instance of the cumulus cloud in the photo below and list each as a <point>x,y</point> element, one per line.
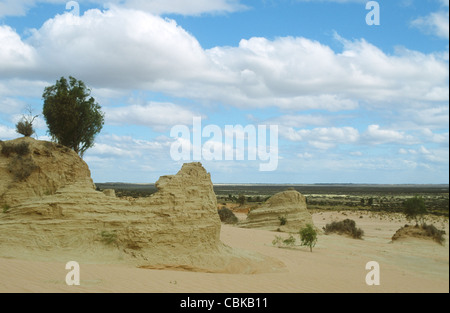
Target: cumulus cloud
<point>118,48</point>
<point>130,49</point>
<point>15,55</point>
<point>183,7</point>
<point>297,73</point>
<point>323,137</point>
<point>158,116</point>
<point>376,135</point>
<point>7,132</point>
<point>435,23</point>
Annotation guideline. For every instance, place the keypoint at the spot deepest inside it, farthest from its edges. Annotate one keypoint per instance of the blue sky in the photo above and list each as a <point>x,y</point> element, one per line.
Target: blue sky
<point>353,103</point>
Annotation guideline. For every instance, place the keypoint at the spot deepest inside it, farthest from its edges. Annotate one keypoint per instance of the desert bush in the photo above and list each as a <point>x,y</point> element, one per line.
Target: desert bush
<point>288,242</point>
<point>25,128</point>
<point>346,226</point>
<point>6,208</point>
<point>20,149</point>
<point>227,216</point>
<point>283,220</point>
<point>433,232</point>
<point>108,237</point>
<point>308,236</point>
<point>277,241</point>
<point>25,125</point>
<point>22,167</point>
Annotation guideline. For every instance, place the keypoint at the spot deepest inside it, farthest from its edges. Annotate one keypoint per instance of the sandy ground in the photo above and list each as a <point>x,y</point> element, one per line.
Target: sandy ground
<point>337,264</point>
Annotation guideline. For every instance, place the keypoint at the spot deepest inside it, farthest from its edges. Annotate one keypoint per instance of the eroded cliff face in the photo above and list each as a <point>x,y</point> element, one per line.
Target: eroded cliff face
<point>55,213</point>
<point>29,168</point>
<point>289,206</point>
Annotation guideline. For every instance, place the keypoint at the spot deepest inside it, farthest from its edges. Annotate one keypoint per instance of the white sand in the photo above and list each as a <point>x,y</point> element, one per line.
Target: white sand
<point>337,264</point>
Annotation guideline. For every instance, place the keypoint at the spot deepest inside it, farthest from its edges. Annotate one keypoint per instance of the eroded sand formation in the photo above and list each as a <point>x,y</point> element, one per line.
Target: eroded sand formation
<point>53,212</point>
<point>289,206</point>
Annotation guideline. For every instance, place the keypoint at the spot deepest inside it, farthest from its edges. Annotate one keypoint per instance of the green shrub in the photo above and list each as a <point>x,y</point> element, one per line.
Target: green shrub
<point>227,216</point>
<point>289,241</point>
<point>279,241</point>
<point>6,208</point>
<point>108,237</point>
<point>414,209</point>
<point>283,220</point>
<point>308,236</point>
<point>346,226</point>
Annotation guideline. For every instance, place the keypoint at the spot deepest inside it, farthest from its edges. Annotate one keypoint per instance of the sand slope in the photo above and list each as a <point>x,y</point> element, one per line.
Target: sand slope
<point>337,264</point>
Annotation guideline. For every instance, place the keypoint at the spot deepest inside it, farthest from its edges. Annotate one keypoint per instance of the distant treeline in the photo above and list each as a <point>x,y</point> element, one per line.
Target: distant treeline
<point>319,196</point>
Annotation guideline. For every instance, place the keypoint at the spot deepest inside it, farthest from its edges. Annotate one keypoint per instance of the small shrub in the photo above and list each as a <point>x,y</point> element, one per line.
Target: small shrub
<point>433,232</point>
<point>25,128</point>
<point>308,236</point>
<point>279,241</point>
<point>108,237</point>
<point>7,149</point>
<point>227,216</point>
<point>346,226</point>
<point>289,241</point>
<point>20,149</point>
<point>22,167</point>
<point>283,220</point>
<point>6,208</point>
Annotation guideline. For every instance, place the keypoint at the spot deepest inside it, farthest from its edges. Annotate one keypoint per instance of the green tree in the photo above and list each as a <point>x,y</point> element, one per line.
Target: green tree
<point>72,115</point>
<point>308,236</point>
<point>241,199</point>
<point>414,209</point>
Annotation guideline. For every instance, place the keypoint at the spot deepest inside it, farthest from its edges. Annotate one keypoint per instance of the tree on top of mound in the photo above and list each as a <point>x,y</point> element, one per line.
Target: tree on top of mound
<point>415,209</point>
<point>72,115</point>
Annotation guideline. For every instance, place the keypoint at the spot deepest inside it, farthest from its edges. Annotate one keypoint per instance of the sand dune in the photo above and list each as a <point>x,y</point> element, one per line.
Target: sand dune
<point>337,264</point>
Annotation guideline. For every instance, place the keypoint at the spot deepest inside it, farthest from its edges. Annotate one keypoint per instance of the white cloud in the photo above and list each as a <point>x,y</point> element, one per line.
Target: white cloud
<point>376,135</point>
<point>7,133</point>
<point>108,150</point>
<point>324,137</point>
<point>159,116</point>
<point>442,138</point>
<point>156,54</point>
<point>119,48</point>
<point>435,23</point>
<point>297,73</point>
<point>114,146</point>
<point>299,121</point>
<point>183,7</point>
<point>11,105</point>
<point>15,55</point>
<point>305,155</point>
